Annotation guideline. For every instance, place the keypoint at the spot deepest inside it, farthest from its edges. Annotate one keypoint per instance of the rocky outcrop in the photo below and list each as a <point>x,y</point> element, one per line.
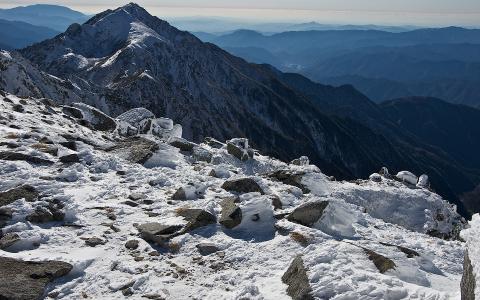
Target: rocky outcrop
<point>308,214</point>
<point>242,185</point>
<point>27,280</point>
<point>467,285</point>
<point>296,278</point>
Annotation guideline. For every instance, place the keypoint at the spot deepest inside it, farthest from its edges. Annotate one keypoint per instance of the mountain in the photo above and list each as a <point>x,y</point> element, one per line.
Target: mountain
<point>15,35</point>
<point>55,17</point>
<point>128,58</point>
<point>108,213</point>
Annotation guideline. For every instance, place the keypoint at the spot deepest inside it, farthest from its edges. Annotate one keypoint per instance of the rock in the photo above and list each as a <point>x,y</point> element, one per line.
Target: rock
<point>276,202</point>
<point>382,263</point>
<point>185,193</point>
<point>213,143</point>
<point>46,148</point>
<point>138,118</point>
<point>202,154</point>
<point>26,279</point>
<point>5,216</point>
<point>131,244</point>
<point>131,203</point>
<point>207,248</point>
<point>182,144</point>
<point>70,158</point>
<point>8,240</point>
<point>408,177</point>
<point>72,112</point>
<point>231,214</point>
<point>308,214</point>
<point>18,108</point>
<point>26,192</point>
<point>237,151</point>
<point>72,145</point>
<point>135,149</point>
<point>289,177</point>
<point>16,156</point>
<point>302,161</point>
<point>158,233</point>
<point>242,185</point>
<point>409,252</point>
<point>40,215</point>
<point>136,196</point>
<point>196,218</point>
<point>95,118</point>
<point>375,177</point>
<point>94,241</point>
<point>384,172</point>
<point>165,129</point>
<point>423,181</point>
<point>467,285</point>
<point>296,278</point>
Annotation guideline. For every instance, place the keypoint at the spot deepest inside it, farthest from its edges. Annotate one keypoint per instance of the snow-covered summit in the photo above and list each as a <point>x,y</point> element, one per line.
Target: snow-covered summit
<point>147,214</point>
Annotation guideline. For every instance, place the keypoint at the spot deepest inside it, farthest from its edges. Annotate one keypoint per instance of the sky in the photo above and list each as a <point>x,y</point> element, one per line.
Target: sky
<point>385,12</point>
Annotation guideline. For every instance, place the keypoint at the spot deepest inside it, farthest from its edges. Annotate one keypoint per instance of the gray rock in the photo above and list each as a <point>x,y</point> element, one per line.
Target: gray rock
<point>132,244</point>
<point>46,148</point>
<point>138,118</point>
<point>182,144</point>
<point>213,143</point>
<point>467,285</point>
<point>5,216</point>
<point>27,280</point>
<point>18,108</point>
<point>196,218</point>
<point>96,119</point>
<point>231,214</point>
<point>8,240</point>
<point>382,263</point>
<point>94,241</point>
<point>69,158</point>
<point>202,154</point>
<point>238,152</point>
<point>158,233</point>
<point>207,248</point>
<point>25,191</point>
<point>302,161</point>
<point>276,202</point>
<point>135,149</point>
<point>136,196</point>
<point>16,156</point>
<point>40,215</point>
<point>242,185</point>
<point>308,214</point>
<point>297,280</point>
<point>72,112</point>
<point>185,193</point>
<point>289,177</point>
<point>72,145</point>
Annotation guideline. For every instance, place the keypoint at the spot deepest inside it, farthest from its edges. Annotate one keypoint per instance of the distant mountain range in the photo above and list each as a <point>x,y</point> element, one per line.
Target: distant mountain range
<point>55,17</point>
<point>441,62</point>
<point>16,34</point>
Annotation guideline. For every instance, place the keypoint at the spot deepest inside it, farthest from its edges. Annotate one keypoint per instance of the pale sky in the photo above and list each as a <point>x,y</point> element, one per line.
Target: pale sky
<point>404,12</point>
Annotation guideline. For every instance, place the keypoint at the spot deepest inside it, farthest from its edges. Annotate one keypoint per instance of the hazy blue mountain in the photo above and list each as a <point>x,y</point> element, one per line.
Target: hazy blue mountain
<point>52,16</point>
<point>15,34</point>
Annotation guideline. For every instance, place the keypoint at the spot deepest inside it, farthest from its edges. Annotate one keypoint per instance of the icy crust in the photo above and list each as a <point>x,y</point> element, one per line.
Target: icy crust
<point>472,238</point>
<point>251,258</point>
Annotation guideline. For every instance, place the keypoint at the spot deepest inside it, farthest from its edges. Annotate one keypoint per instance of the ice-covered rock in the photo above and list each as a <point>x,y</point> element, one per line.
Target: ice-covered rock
<point>470,284</point>
<point>423,181</point>
<point>96,118</point>
<point>407,177</point>
<point>239,148</point>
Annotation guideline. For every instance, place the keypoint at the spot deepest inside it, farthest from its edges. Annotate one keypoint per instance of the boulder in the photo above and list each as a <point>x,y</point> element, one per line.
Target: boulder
<point>158,233</point>
<point>302,161</point>
<point>231,214</point>
<point>132,244</point>
<point>196,218</point>
<point>5,216</point>
<point>69,158</point>
<point>27,279</point>
<point>72,112</point>
<point>290,177</point>
<point>16,156</point>
<point>407,177</point>
<point>165,129</point>
<point>296,278</point>
<point>382,263</point>
<point>187,192</point>
<point>467,285</point>
<point>202,154</point>
<point>135,149</point>
<point>423,181</point>
<point>94,241</point>
<point>182,144</point>
<point>138,117</point>
<point>136,196</point>
<point>242,185</point>
<point>240,149</point>
<point>207,248</point>
<point>8,240</point>
<point>375,177</point>
<point>40,215</point>
<point>308,214</point>
<point>26,192</point>
<point>213,143</point>
<point>95,118</point>
<point>384,172</point>
<point>46,148</point>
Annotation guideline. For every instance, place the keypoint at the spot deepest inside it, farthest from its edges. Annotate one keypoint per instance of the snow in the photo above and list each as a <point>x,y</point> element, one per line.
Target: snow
<point>253,256</point>
<point>472,238</point>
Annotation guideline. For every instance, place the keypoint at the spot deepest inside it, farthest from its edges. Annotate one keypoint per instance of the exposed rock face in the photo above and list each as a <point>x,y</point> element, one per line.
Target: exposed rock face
<point>25,191</point>
<point>382,263</point>
<point>10,155</point>
<point>297,280</point>
<point>467,285</point>
<point>135,149</point>
<point>242,185</point>
<point>27,280</point>
<point>293,178</point>
<point>308,214</point>
<point>231,214</point>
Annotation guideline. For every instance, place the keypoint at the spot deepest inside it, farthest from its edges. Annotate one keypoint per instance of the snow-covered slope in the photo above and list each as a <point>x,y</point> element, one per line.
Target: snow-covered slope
<point>156,216</point>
